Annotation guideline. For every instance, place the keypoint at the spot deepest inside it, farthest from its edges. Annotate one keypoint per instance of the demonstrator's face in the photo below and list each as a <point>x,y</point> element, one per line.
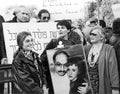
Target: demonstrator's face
<point>95,37</point>
<point>45,17</point>
<point>23,16</point>
<point>62,30</point>
<point>28,43</point>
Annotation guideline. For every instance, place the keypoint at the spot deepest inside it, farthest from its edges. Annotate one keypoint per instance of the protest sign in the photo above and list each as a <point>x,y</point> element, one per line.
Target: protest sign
<point>41,32</point>
<point>61,84</point>
<point>65,9</point>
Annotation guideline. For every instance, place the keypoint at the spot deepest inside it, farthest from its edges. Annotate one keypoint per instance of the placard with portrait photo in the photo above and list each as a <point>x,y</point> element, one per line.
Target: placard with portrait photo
<point>58,60</point>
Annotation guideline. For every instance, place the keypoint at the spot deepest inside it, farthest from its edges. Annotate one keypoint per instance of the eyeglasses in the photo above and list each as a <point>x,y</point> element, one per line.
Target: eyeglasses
<point>93,34</point>
<point>46,18</point>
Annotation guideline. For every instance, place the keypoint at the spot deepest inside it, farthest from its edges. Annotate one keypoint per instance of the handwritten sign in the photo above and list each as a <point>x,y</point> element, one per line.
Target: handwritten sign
<point>41,32</point>
<point>65,9</point>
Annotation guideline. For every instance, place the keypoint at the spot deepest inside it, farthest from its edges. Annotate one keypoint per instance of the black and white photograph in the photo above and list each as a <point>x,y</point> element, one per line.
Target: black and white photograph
<point>60,47</point>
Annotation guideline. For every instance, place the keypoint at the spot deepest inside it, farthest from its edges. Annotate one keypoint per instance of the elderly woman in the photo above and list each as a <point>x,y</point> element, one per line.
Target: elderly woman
<point>21,15</point>
<point>66,37</point>
<point>102,64</point>
<point>27,68</point>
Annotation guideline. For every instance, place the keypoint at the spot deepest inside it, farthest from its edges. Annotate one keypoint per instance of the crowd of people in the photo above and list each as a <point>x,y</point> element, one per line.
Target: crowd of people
<point>99,73</point>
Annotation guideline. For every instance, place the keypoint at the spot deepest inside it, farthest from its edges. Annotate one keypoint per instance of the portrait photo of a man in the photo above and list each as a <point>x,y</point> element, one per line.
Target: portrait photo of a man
<point>58,66</point>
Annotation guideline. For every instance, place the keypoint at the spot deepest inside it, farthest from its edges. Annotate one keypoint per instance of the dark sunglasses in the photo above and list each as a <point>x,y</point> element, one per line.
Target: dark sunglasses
<point>93,34</point>
<point>46,18</point>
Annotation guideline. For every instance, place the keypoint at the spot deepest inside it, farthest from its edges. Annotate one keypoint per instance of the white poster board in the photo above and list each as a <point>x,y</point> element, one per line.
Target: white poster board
<point>65,9</point>
<point>116,10</point>
<point>41,32</point>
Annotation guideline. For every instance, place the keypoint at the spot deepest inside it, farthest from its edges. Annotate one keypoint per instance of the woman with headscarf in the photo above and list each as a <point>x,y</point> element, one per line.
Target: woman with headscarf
<point>27,68</point>
<point>102,64</point>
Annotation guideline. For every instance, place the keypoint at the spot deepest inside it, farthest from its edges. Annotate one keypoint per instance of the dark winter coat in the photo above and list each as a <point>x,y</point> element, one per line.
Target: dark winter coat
<point>28,78</point>
<point>13,20</point>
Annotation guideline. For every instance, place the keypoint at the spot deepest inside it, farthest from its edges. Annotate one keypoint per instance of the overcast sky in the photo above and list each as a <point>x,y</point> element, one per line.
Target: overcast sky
<point>5,3</point>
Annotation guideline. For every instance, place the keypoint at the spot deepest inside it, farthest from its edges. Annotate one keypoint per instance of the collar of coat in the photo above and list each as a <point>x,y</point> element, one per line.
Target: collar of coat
<point>30,56</point>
